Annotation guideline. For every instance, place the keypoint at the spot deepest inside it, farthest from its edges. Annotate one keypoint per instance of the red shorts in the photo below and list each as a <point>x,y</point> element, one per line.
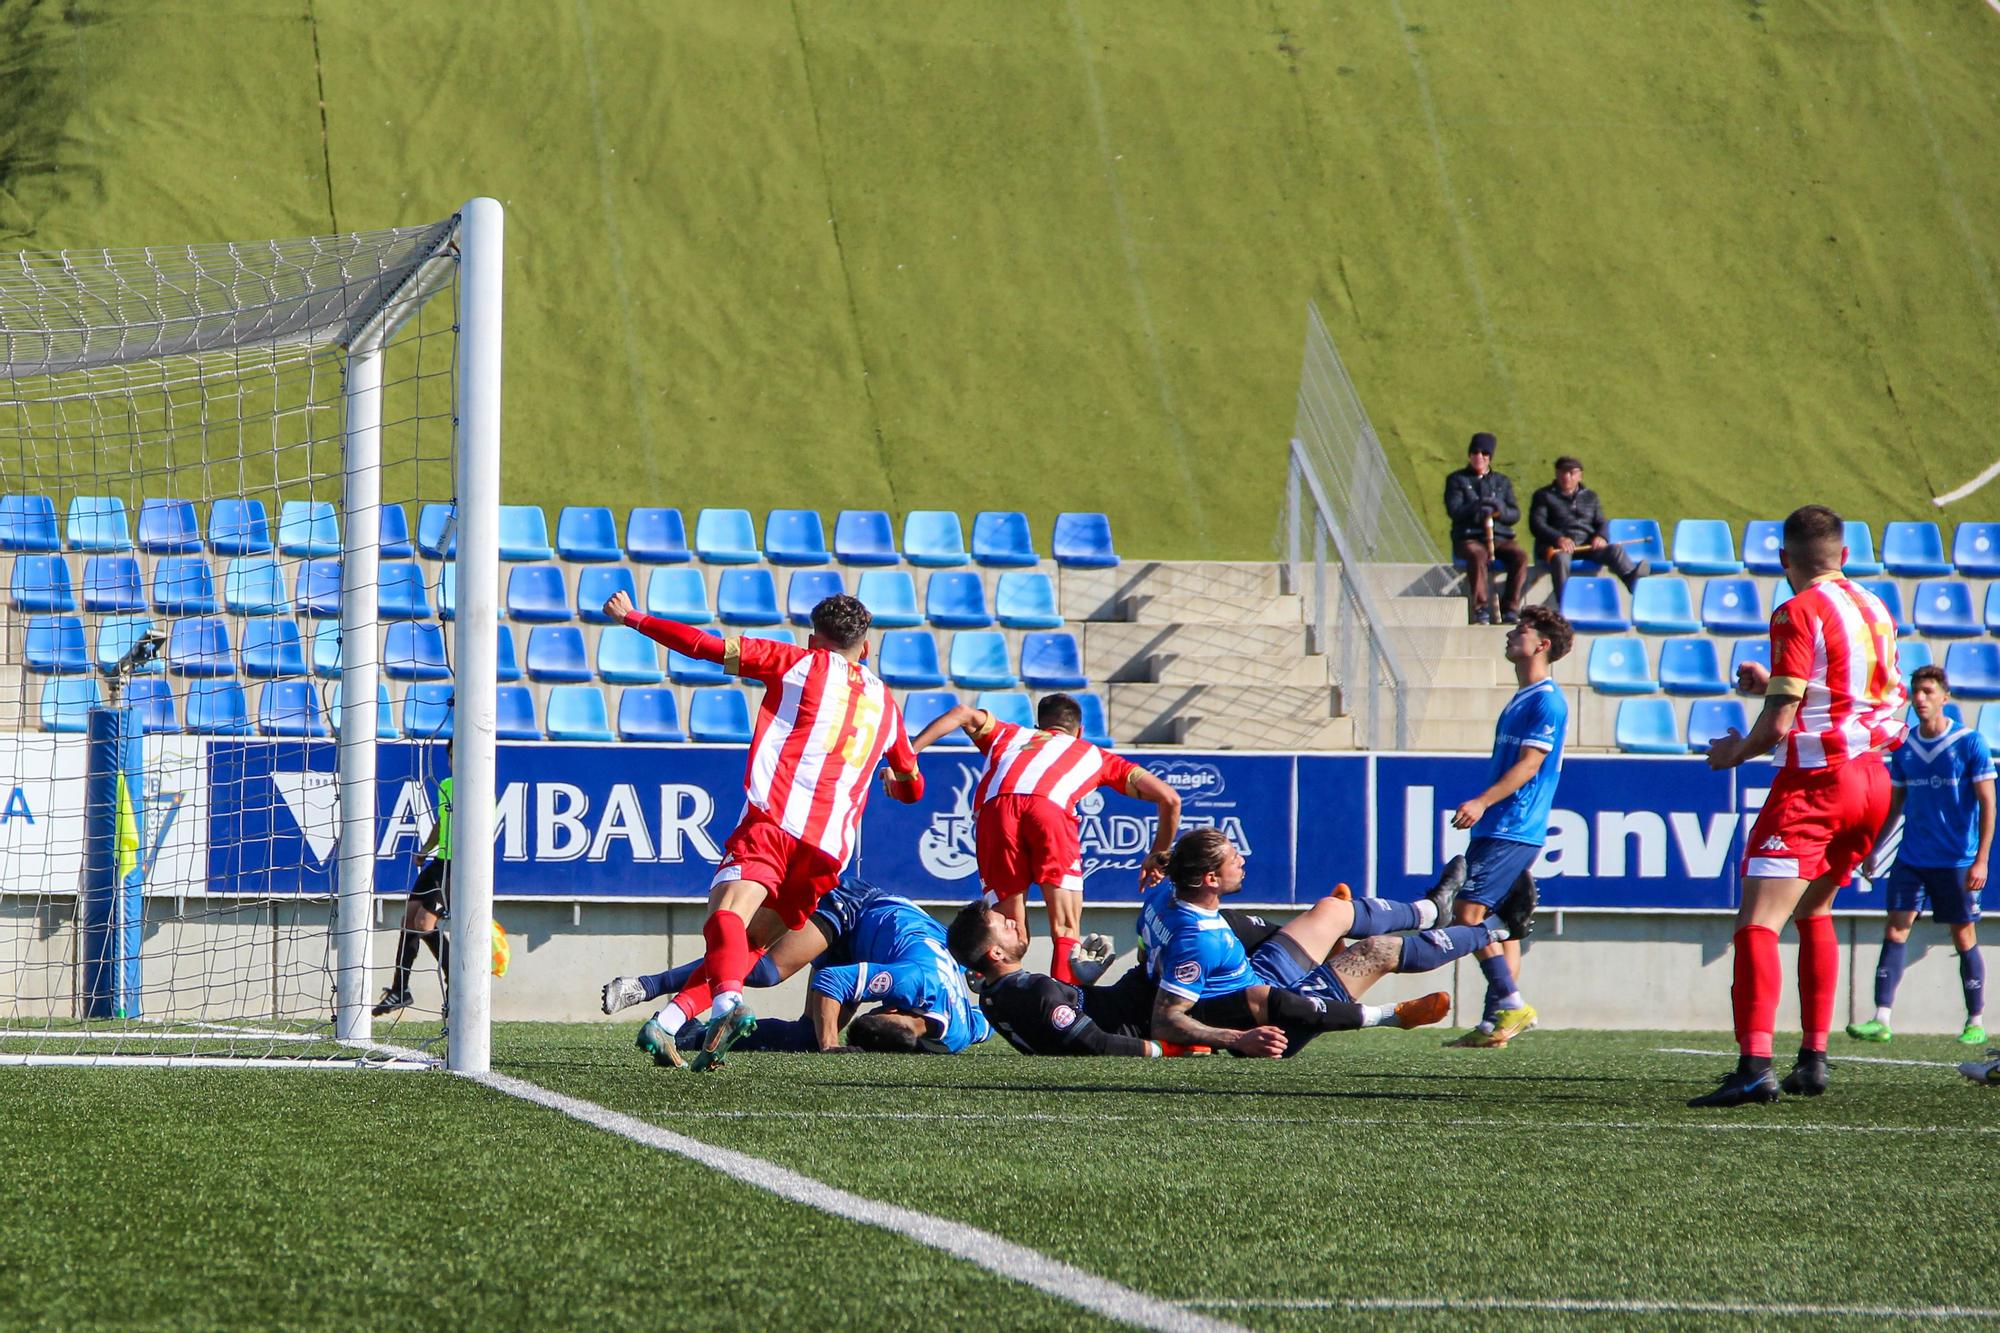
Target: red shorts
<point>795,875</point>
<point>1025,840</point>
<point>1818,821</point>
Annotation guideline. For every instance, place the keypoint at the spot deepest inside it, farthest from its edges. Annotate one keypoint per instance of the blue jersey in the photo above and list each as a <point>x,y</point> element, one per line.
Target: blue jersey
<point>1191,952</point>
<point>1534,719</point>
<point>1940,807</point>
<point>901,962</point>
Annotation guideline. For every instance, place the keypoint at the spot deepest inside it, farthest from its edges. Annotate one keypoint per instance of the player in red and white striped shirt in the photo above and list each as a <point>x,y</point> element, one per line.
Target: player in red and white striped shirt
<point>1026,832</point>
<point>1833,700</point>
<point>825,724</point>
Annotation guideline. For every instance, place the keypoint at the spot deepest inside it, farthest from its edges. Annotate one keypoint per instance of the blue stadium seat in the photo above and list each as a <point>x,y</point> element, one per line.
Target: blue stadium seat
<point>778,635</point>
<point>168,527</point>
<point>627,657</point>
<point>1643,541</point>
<point>719,717</point>
<point>596,585</point>
<point>271,648</point>
<point>437,534</point>
<point>1951,710</point>
<point>909,660</point>
<point>385,712</point>
<point>316,589</point>
<point>428,712</point>
<point>414,650</point>
<point>1989,724</point>
<point>555,654</point>
<point>726,537</point>
<point>506,664</point>
<point>1052,660</point>
<point>115,637</point>
<point>891,598</point>
<point>923,707</point>
<point>1914,550</point>
<point>199,646</point>
<point>578,713</point>
<point>183,586</point>
<point>1945,610</point>
<point>588,535</point>
<point>933,538</point>
<point>747,597</point>
<point>290,708</point>
<point>1731,606</point>
<point>1991,613</point>
<point>55,646</point>
<point>649,715</point>
<point>514,714</point>
<point>253,585</point>
<point>979,661</point>
<point>1705,546</point>
<point>957,600</point>
<point>807,589</point>
<point>1026,599</point>
<point>1647,726</point>
<point>536,594</point>
<point>1710,718</point>
<point>153,700</point>
<point>1974,669</point>
<point>1912,655</point>
<point>685,670</point>
<point>795,537</point>
<point>1748,650</point>
<point>28,523</point>
<point>1691,666</point>
<point>1001,540</point>
<point>1763,539</point>
<point>326,662</point>
<point>448,592</point>
<point>864,537</point>
<point>217,708</point>
<point>1861,561</point>
<point>1008,706</point>
<point>1781,592</point>
<point>656,537</point>
<point>41,583</point>
<point>67,701</point>
<point>1618,666</point>
<point>1664,605</point>
<point>1096,729</point>
<point>111,584</point>
<point>1592,604</point>
<point>1975,550</point>
<point>524,533</point>
<point>97,523</point>
<point>309,528</point>
<point>399,591</point>
<point>678,594</point>
<point>1890,594</point>
<point>1083,541</point>
<point>393,534</point>
<point>239,527</point>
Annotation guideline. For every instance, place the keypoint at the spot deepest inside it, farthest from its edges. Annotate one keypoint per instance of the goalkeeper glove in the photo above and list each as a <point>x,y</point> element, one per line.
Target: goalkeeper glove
<point>1090,957</point>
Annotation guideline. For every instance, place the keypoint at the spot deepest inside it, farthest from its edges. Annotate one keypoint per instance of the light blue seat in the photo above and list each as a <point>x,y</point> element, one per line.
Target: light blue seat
<point>957,600</point>
<point>891,598</point>
<point>656,537</point>
<point>726,537</point>
<point>537,595</point>
<point>66,703</point>
<point>316,589</point>
<point>1592,605</point>
<point>719,717</point>
<point>1705,546</point>
<point>506,665</point>
<point>1052,660</point>
<point>1618,666</point>
<point>778,635</point>
<point>400,591</point>
<point>1951,710</point>
<point>239,527</point>
<point>678,594</point>
<point>1992,608</point>
<point>685,670</point>
<point>1989,724</point>
<point>1763,540</point>
<point>1890,594</point>
<point>979,661</point>
<point>1664,605</point>
<point>923,707</point>
<point>1691,666</point>
<point>556,655</point>
<point>909,660</point>
<point>1710,718</point>
<point>933,538</point>
<point>97,523</point>
<point>1974,669</point>
<point>1911,656</point>
<point>807,588</point>
<point>1781,592</point>
<point>1914,550</point>
<point>111,584</point>
<point>1083,541</point>
<point>795,537</point>
<point>309,529</point>
<point>199,646</point>
<point>747,597</point>
<point>514,714</point>
<point>587,535</point>
<point>168,527</point>
<point>1026,599</point>
<point>183,586</point>
<point>1748,650</point>
<point>864,537</point>
<point>1647,726</point>
<point>1001,540</point>
<point>385,711</point>
<point>627,657</point>
<point>217,708</point>
<point>290,708</point>
<point>1096,729</point>
<point>28,523</point>
<point>153,700</point>
<point>253,585</point>
<point>1861,561</point>
<point>596,585</point>
<point>578,713</point>
<point>1945,610</point>
<point>437,534</point>
<point>414,650</point>
<point>1008,706</point>
<point>1975,550</point>
<point>41,583</point>
<point>55,646</point>
<point>524,533</point>
<point>392,534</point>
<point>115,637</point>
<point>650,715</point>
<point>1731,606</point>
<point>428,712</point>
<point>326,662</point>
<point>1642,540</point>
<point>271,648</point>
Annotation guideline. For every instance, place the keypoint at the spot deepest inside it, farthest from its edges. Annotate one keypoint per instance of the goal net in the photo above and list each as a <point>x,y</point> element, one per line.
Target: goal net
<point>248,504</point>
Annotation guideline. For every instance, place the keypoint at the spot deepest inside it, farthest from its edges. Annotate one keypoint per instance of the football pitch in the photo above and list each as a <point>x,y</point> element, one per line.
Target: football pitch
<point>1377,1178</point>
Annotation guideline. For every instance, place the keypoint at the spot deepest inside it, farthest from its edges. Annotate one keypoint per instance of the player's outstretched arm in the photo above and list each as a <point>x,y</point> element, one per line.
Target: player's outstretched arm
<point>902,779</point>
<point>1517,776</point>
<point>1167,801</point>
<point>681,638</point>
<point>964,715</point>
<point>1173,1022</point>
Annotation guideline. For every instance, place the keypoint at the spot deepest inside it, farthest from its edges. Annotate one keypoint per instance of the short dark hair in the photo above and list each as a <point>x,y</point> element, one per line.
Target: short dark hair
<point>969,935</point>
<point>1059,712</point>
<point>841,621</point>
<point>874,1032</point>
<point>1818,529</point>
<point>1199,854</point>
<point>1930,671</point>
<point>1549,623</point>
<point>1568,464</point>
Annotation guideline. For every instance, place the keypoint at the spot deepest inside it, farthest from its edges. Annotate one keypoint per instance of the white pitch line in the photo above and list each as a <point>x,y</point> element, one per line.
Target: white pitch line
<point>205,1062</point>
<point>1561,1305</point>
<point>1843,1059</point>
<point>995,1254</point>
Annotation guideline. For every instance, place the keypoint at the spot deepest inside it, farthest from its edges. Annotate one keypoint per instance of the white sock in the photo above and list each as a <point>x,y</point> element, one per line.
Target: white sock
<point>1378,1015</point>
<point>1485,1026</point>
<point>670,1018</point>
<point>1513,1001</point>
<point>1427,914</point>
<point>725,1001</point>
<point>1882,1014</point>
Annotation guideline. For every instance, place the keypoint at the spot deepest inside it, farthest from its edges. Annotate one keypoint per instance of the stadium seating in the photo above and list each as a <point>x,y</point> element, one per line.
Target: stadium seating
<point>239,527</point>
<point>1618,666</point>
<point>183,586</point>
<point>536,594</point>
<point>795,537</point>
<point>923,707</point>
<point>1975,550</point>
<point>685,670</point>
<point>1781,592</point>
<point>1026,599</point>
<point>719,717</point>
<point>1664,605</point>
<point>448,592</point>
<point>1914,550</point>
<point>979,661</point>
<point>1989,724</point>
<point>596,585</point>
<point>1705,546</point>
<point>957,600</point>
<point>778,635</point>
<point>115,637</point>
<point>1591,604</point>
<point>1890,594</point>
<point>649,715</point>
<point>290,708</point>
<point>524,533</point>
<point>437,535</point>
<point>1001,540</point>
<point>427,712</point>
<point>627,657</point>
<point>55,646</point>
<point>656,537</point>
<point>1691,666</point>
<point>578,713</point>
<point>726,537</point>
<point>1008,706</point>
<point>153,700</point>
<point>1052,660</point>
<point>1095,728</point>
<point>1710,718</point>
<point>168,527</point>
<point>556,655</point>
<point>316,589</point>
<point>747,597</point>
<point>1647,726</point>
<point>400,592</point>
<point>1974,669</point>
<point>1861,561</point>
<point>909,660</point>
<point>1763,538</point>
<point>506,664</point>
<point>97,523</point>
<point>41,583</point>
<point>1731,606</point>
<point>891,598</point>
<point>933,538</point>
<point>253,585</point>
<point>393,533</point>
<point>678,594</point>
<point>864,537</point>
<point>66,703</point>
<point>1912,656</point>
<point>385,712</point>
<point>414,650</point>
<point>1083,541</point>
<point>309,529</point>
<point>271,648</point>
<point>326,662</point>
<point>1643,541</point>
<point>199,646</point>
<point>1991,613</point>
<point>111,584</point>
<point>217,708</point>
<point>588,535</point>
<point>1748,650</point>
<point>28,523</point>
<point>808,588</point>
<point>514,714</point>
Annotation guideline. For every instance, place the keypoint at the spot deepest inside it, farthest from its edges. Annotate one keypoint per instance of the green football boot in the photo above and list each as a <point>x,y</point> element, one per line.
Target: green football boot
<point>1974,1034</point>
<point>723,1033</point>
<point>657,1042</point>
<point>1872,1031</point>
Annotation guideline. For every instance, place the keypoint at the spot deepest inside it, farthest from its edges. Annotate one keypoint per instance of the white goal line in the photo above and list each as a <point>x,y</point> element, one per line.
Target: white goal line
<point>1585,1305</point>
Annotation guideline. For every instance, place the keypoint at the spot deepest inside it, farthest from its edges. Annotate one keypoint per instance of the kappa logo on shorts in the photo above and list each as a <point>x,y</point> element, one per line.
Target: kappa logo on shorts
<point>879,983</point>
<point>1773,844</point>
<point>1188,973</point>
<point>1062,1017</point>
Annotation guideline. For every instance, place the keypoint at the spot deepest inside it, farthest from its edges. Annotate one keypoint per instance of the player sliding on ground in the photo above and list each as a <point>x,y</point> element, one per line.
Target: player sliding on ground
<point>1831,703</point>
<point>825,724</point>
<point>1025,831</point>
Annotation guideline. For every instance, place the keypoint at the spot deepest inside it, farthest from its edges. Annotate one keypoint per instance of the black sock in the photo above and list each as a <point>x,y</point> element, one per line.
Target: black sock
<point>1807,1057</point>
<point>1288,1009</point>
<point>1753,1066</point>
<point>406,954</point>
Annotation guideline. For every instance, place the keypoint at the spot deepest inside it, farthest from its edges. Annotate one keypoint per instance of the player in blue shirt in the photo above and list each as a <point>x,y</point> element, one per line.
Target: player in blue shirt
<point>1510,819</point>
<point>1941,782</point>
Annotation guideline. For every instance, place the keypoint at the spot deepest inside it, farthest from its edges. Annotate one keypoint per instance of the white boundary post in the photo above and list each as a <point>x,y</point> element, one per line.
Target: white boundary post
<point>359,544</point>
<point>481,223</point>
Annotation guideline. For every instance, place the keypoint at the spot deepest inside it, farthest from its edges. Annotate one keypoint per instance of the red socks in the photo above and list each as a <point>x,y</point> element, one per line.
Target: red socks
<point>1059,969</point>
<point>1819,971</point>
<point>1754,997</point>
<point>728,951</point>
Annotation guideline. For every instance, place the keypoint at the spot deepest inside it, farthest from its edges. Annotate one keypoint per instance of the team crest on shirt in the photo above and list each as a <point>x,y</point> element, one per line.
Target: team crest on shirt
<point>1062,1017</point>
<point>1781,616</point>
<point>1188,973</point>
<point>879,983</point>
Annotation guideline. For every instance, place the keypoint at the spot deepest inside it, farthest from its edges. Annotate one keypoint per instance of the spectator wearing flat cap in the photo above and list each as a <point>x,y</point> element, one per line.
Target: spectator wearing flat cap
<point>1482,507</point>
<point>1567,520</point>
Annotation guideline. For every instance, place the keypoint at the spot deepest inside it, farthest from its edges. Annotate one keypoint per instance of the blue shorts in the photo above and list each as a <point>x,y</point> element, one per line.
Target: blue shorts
<point>1277,963</point>
<point>1492,865</point>
<point>1944,888</point>
<point>837,915</point>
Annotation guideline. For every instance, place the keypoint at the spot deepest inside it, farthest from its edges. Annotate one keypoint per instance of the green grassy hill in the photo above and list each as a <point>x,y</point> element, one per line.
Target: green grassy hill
<point>1736,254</point>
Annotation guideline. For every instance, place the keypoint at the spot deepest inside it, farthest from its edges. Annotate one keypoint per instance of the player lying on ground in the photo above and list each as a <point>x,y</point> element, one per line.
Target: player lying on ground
<point>430,903</point>
<point>1208,986</point>
<point>1941,784</point>
<point>1025,831</point>
<point>825,724</point>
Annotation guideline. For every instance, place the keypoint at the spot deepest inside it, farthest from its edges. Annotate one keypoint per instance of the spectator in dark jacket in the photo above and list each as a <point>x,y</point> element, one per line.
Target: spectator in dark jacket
<point>1567,520</point>
<point>1473,495</point>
